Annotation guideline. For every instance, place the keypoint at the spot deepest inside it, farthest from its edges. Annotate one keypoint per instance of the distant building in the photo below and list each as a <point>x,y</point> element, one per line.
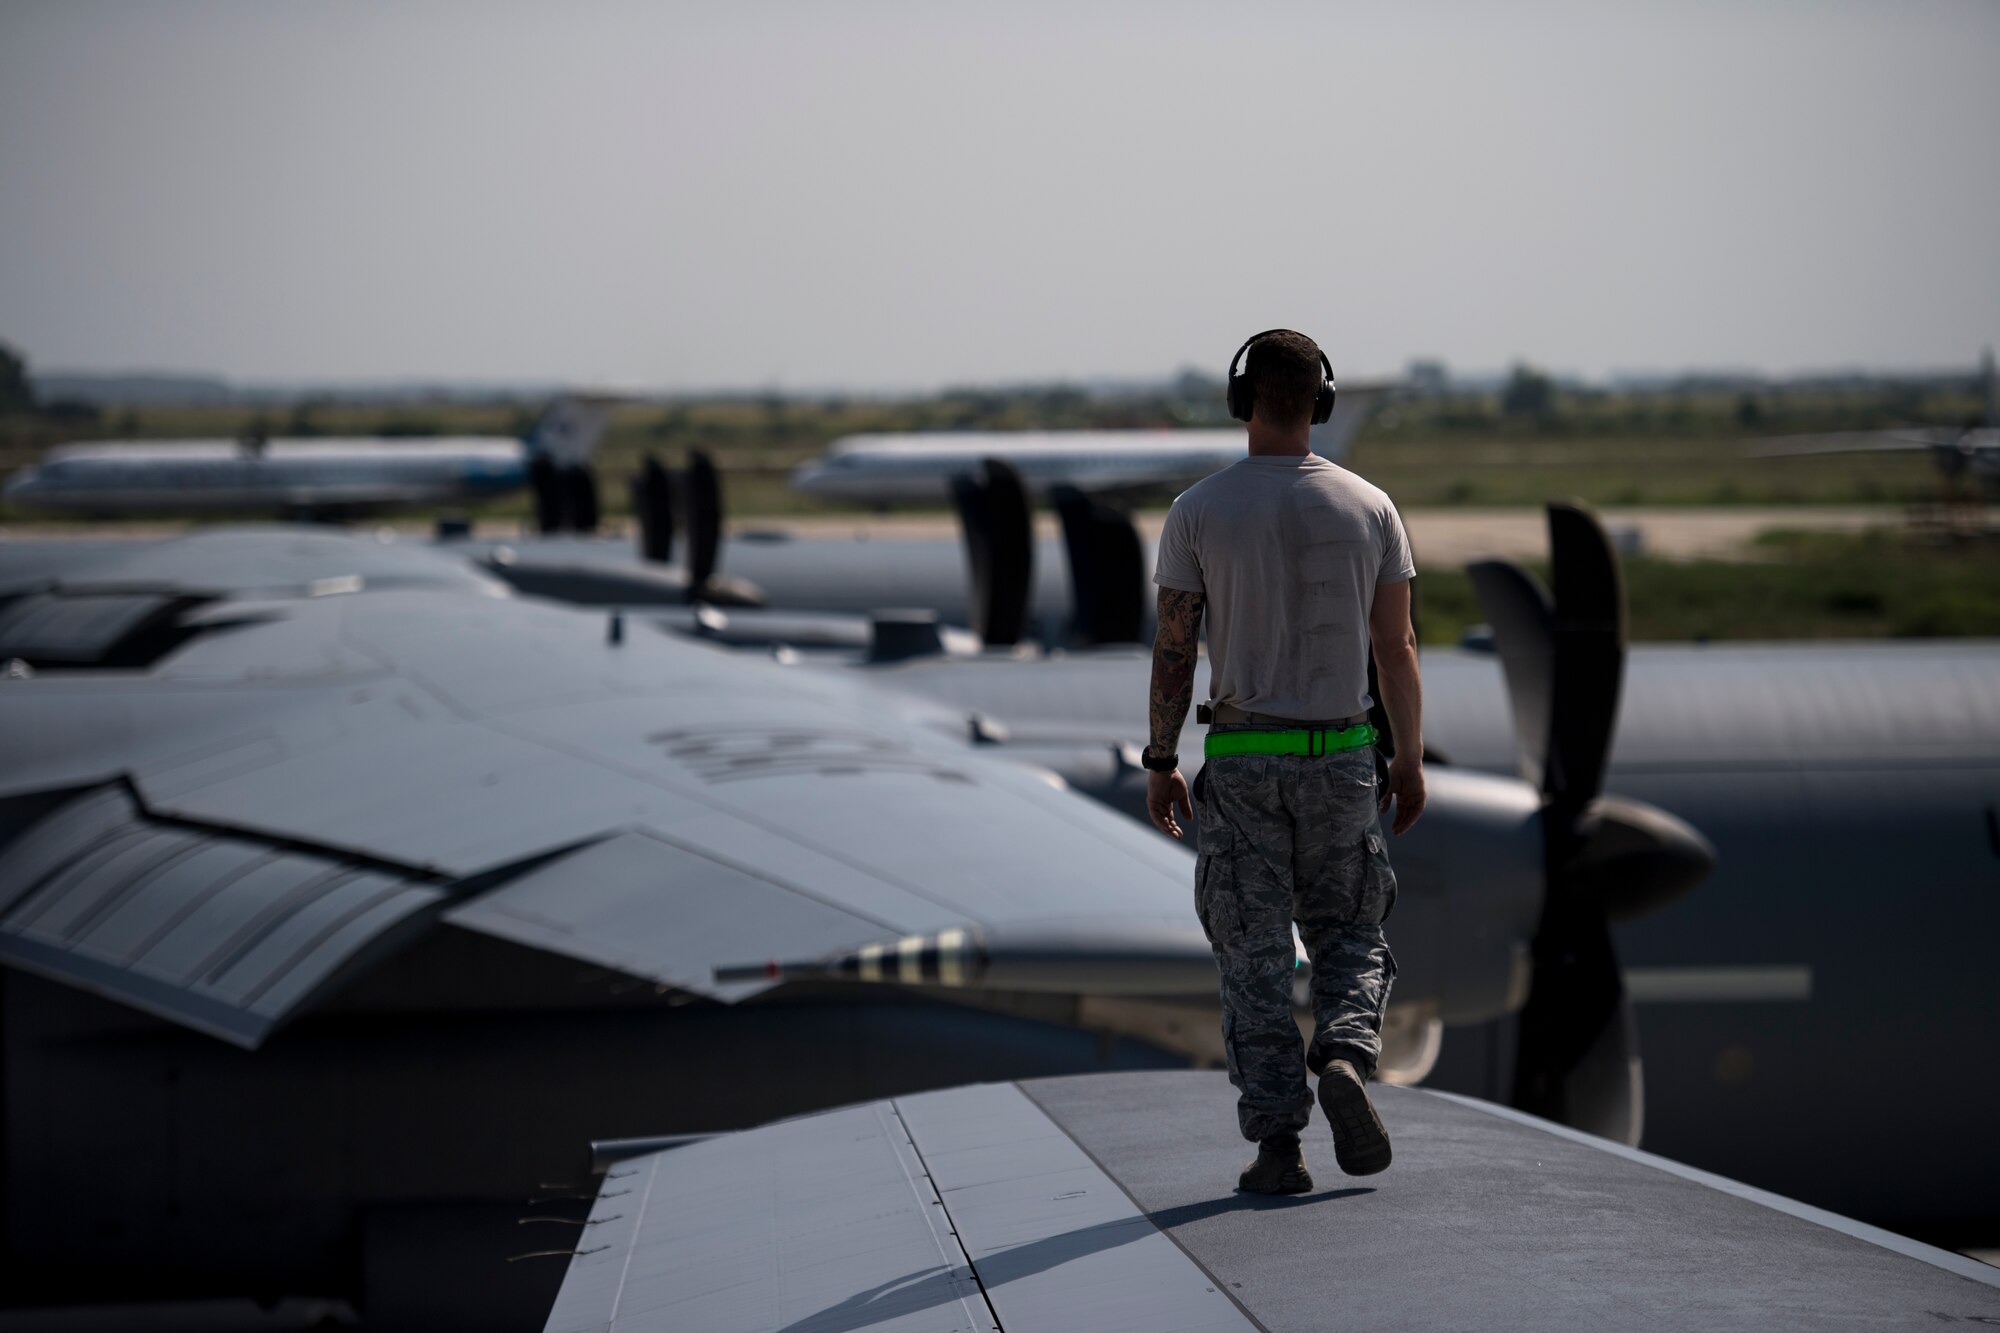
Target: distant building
<point>1427,378</point>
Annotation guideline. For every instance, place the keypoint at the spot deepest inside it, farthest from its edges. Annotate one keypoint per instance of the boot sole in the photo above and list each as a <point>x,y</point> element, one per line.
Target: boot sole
<point>1360,1144</point>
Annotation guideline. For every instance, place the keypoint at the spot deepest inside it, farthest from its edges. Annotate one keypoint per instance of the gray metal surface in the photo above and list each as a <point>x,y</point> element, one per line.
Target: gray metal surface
<point>1700,707</point>
<point>1106,1202</point>
<point>656,909</point>
<point>220,933</point>
<point>859,575</point>
<point>960,1210</point>
<point>283,560</point>
<point>1056,1242</point>
<point>1489,1220</point>
<point>826,1223</point>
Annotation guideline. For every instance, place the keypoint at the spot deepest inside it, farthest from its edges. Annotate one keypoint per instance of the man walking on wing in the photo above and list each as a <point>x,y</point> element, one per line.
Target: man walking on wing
<point>1298,565</point>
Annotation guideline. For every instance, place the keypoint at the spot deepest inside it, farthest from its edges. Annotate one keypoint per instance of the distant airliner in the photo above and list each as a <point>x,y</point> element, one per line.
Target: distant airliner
<point>1972,452</point>
<point>322,476</point>
<point>917,468</point>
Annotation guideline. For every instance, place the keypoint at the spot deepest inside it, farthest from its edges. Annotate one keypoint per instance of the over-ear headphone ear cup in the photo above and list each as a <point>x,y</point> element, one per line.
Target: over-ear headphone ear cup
<point>1323,404</point>
<point>1239,397</point>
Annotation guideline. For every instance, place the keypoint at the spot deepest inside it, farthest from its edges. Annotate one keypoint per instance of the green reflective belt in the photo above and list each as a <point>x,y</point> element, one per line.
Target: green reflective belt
<point>1304,741</point>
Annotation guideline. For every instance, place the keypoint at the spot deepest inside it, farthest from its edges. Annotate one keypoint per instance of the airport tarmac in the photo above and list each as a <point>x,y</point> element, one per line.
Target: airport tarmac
<point>1452,537</point>
<point>1442,537</point>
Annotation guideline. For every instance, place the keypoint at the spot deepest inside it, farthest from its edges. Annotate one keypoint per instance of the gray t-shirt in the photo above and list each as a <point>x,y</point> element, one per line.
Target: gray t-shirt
<point>1287,553</point>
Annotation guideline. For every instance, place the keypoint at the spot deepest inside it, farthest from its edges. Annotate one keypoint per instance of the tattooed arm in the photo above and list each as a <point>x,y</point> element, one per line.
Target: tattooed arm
<point>1174,658</point>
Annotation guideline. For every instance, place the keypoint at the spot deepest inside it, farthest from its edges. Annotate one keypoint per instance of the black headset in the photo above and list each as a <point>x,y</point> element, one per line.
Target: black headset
<point>1241,398</point>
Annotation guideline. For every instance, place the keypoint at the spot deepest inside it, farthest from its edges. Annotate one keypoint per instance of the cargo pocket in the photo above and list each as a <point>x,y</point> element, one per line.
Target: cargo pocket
<point>1378,880</point>
<point>1214,889</point>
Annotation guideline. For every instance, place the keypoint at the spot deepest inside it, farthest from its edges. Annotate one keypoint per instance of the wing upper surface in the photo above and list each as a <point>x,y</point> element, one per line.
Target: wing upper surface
<point>682,807</point>
<point>1104,1202</point>
<point>956,1210</point>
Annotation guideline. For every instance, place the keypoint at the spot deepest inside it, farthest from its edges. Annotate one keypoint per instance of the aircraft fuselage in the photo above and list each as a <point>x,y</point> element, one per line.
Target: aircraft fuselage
<point>286,475</point>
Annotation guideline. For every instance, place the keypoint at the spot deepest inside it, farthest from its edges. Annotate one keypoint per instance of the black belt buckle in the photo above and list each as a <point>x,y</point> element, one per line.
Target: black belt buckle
<point>1204,714</point>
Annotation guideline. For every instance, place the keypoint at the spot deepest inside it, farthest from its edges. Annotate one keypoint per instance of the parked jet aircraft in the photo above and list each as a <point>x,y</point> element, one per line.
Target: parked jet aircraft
<point>459,879</point>
<point>1970,453</point>
<point>917,468</point>
<point>318,477</point>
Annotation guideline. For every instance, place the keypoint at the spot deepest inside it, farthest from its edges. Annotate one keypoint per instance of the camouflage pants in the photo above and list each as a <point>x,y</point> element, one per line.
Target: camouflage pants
<point>1287,838</point>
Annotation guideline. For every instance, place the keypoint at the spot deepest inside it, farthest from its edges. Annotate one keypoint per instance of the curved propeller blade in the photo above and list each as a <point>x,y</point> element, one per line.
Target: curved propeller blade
<point>580,497</point>
<point>549,498</point>
<point>704,522</point>
<point>998,524</point>
<point>1106,567</point>
<point>1577,1061</point>
<point>1587,629</point>
<point>1518,609</point>
<point>653,506</point>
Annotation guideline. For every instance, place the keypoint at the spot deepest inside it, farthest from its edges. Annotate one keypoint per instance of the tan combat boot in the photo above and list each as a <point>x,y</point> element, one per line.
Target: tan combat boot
<point>1280,1168</point>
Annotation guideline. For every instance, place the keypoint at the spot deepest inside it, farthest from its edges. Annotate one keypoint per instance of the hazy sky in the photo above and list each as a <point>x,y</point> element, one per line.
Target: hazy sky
<point>891,195</point>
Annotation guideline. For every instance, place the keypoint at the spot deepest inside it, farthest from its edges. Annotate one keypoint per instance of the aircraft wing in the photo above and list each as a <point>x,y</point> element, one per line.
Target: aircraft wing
<point>1104,1202</point>
<point>300,779</point>
<point>1848,442</point>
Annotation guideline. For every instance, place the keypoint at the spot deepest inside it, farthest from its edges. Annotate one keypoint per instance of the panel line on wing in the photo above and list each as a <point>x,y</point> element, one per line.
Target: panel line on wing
<point>901,1138</point>
<point>1055,1241</point>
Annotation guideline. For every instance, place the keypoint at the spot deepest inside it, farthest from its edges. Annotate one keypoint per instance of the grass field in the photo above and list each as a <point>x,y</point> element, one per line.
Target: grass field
<point>1657,450</point>
<point>1885,583</point>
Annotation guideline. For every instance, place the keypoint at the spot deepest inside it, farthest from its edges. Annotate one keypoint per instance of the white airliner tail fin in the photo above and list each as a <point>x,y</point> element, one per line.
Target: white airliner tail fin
<point>570,429</point>
<point>1351,410</point>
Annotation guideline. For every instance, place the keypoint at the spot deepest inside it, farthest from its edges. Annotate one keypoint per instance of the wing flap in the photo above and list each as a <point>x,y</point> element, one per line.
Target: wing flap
<point>649,906</point>
<point>832,1213</point>
<point>965,1209</point>
<point>210,929</point>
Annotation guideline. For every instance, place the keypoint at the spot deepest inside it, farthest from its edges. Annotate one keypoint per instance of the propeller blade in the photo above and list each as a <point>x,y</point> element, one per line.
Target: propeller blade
<point>1106,568</point>
<point>1577,1062</point>
<point>1576,1001</point>
<point>549,498</point>
<point>1605,858</point>
<point>704,521</point>
<point>1588,633</point>
<point>1518,609</point>
<point>653,507</point>
<point>580,491</point>
<point>994,514</point>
